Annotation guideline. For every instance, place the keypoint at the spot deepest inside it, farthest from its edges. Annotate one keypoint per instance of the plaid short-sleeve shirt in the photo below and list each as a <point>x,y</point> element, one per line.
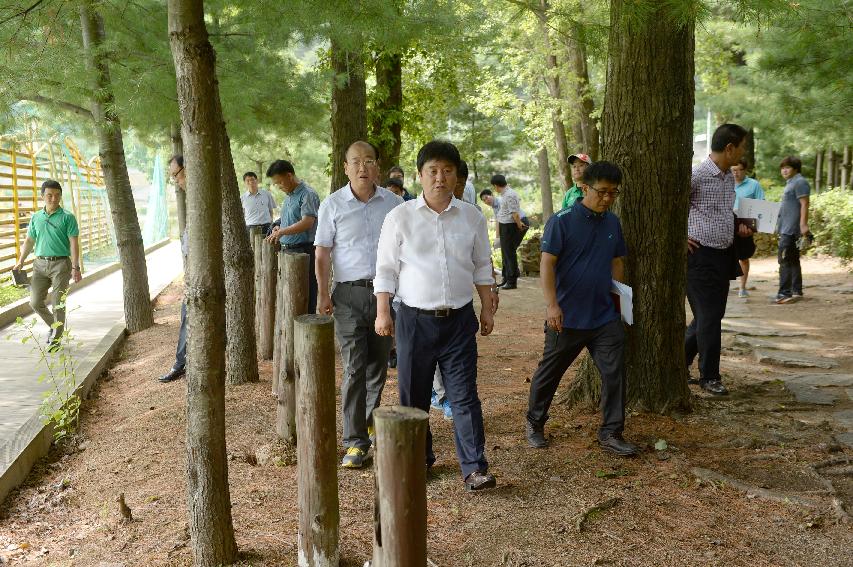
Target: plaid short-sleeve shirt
<point>712,196</point>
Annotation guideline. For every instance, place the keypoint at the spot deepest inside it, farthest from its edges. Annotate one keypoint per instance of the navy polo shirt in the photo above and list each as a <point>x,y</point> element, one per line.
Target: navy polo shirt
<point>585,244</point>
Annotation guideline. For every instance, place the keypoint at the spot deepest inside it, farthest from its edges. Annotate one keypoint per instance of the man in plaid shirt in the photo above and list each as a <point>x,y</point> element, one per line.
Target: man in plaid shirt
<point>711,259</point>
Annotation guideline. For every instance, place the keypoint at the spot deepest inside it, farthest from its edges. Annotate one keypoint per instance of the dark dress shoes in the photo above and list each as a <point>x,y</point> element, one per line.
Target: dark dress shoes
<point>714,387</point>
<point>172,375</point>
<point>509,285</point>
<point>479,481</point>
<point>614,443</point>
<point>536,436</point>
<point>392,358</point>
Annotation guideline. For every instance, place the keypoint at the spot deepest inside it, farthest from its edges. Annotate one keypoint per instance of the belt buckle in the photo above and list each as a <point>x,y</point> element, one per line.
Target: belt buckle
<point>443,312</point>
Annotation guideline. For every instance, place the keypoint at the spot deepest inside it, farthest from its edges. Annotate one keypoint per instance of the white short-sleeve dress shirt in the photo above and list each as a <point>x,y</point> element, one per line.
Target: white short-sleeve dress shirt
<point>351,229</point>
<point>430,260</point>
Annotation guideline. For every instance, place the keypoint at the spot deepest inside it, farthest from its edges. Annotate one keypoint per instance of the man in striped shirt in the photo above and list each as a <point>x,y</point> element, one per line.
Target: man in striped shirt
<point>711,259</point>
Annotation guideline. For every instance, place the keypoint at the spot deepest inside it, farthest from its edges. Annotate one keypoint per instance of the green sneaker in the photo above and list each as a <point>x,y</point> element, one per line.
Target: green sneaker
<point>371,434</point>
<point>354,459</point>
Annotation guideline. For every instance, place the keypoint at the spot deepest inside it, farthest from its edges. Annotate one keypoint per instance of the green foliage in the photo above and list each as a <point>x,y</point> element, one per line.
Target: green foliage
<point>831,223</point>
<point>10,293</point>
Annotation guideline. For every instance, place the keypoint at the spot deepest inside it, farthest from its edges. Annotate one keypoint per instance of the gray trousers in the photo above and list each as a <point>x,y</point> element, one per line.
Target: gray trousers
<point>53,275</point>
<point>365,360</point>
<point>438,385</point>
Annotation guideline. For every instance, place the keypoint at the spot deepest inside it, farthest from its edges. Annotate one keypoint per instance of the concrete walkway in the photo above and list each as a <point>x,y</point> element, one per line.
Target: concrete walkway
<point>95,320</point>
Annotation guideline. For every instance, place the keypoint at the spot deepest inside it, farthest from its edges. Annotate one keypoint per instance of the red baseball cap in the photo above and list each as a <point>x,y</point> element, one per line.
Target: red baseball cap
<point>583,157</point>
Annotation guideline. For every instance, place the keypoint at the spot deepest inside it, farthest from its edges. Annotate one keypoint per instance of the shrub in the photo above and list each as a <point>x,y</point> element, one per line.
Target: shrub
<point>831,222</point>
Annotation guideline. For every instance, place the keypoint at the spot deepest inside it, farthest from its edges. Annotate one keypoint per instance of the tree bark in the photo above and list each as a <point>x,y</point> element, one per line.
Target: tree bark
<point>349,108</point>
<point>830,169</point>
<point>317,456</point>
<point>545,184</point>
<point>586,126</point>
<point>818,170</point>
<point>138,313</point>
<point>386,118</point>
<point>294,298</point>
<point>845,168</point>
<point>552,81</point>
<point>241,352</point>
<point>269,281</point>
<point>180,194</point>
<point>209,501</point>
<point>650,90</point>
<point>749,154</point>
<point>401,483</point>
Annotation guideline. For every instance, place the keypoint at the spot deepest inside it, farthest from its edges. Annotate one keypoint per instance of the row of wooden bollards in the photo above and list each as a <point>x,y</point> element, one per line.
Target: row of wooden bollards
<point>302,348</point>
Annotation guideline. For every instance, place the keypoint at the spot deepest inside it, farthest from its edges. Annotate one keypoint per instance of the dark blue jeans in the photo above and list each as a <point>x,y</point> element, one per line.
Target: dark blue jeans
<point>424,341</point>
<point>790,272</point>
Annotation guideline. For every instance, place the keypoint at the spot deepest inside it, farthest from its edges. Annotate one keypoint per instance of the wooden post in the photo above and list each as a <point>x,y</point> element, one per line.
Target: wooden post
<point>401,481</point>
<point>269,277</point>
<point>279,320</point>
<point>294,299</point>
<point>316,464</point>
<point>257,246</point>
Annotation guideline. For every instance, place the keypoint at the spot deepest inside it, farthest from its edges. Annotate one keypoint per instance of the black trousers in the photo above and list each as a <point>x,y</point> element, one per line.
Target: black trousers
<point>424,341</point>
<point>790,272</point>
<point>307,248</point>
<point>510,237</point>
<point>709,271</point>
<point>606,345</point>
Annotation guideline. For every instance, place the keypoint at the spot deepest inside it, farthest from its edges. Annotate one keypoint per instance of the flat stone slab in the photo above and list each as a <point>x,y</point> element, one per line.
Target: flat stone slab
<point>780,344</point>
<point>811,395</point>
<point>822,379</point>
<point>844,418</point>
<point>791,359</point>
<point>754,328</point>
<point>845,438</point>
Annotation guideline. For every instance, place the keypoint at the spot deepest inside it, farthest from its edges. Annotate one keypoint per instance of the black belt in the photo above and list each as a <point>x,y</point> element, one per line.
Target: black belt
<point>296,246</point>
<point>441,313</point>
<point>359,283</point>
<point>52,258</point>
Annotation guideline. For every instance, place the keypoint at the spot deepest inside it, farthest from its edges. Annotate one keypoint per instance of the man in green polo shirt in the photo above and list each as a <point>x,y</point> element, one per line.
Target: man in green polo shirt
<point>578,163</point>
<point>53,233</point>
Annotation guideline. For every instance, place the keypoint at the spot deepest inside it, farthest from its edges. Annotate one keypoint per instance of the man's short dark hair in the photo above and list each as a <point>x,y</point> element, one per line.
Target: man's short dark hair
<point>462,169</point>
<point>395,181</point>
<point>727,134</point>
<point>280,167</point>
<point>250,174</point>
<point>793,162</point>
<point>498,180</point>
<point>178,159</point>
<point>438,149</point>
<point>602,171</point>
<point>50,184</point>
<point>485,193</point>
<point>397,169</point>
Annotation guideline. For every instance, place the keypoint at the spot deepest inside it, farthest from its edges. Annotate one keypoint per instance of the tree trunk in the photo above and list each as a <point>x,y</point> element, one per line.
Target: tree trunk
<point>386,118</point>
<point>650,90</point>
<point>317,453</point>
<point>830,169</point>
<point>138,313</point>
<point>589,135</point>
<point>552,81</point>
<point>401,483</point>
<point>180,194</point>
<point>845,168</point>
<point>241,354</point>
<point>349,108</point>
<point>818,170</point>
<point>749,154</point>
<point>545,184</point>
<point>208,497</point>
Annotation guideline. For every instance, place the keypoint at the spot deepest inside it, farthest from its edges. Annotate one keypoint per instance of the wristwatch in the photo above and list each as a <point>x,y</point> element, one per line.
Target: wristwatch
<point>75,268</point>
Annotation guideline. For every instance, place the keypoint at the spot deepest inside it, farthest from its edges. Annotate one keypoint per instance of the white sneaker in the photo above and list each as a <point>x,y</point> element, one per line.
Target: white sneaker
<point>743,293</point>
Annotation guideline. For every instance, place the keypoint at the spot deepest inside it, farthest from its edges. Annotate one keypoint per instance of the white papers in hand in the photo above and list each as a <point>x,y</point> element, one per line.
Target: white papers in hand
<point>626,300</point>
<point>765,212</point>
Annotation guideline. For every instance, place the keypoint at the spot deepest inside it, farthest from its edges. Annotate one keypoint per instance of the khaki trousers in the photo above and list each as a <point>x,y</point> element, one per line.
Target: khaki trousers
<point>50,275</point>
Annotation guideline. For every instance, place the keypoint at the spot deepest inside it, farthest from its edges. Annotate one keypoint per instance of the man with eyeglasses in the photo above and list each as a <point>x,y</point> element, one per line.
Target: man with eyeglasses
<point>258,205</point>
<point>298,219</point>
<point>582,252</point>
<point>348,227</point>
<point>53,233</point>
<point>179,177</point>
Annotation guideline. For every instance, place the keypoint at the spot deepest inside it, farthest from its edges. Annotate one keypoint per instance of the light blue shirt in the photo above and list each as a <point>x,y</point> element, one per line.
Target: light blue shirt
<point>302,202</point>
<point>749,188</point>
<point>351,229</point>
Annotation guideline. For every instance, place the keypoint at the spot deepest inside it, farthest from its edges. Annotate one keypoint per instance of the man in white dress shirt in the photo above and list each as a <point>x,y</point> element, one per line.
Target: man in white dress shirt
<point>347,236</point>
<point>433,251</point>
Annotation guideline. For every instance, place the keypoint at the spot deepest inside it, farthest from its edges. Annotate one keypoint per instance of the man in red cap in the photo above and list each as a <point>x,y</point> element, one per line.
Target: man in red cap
<point>579,163</point>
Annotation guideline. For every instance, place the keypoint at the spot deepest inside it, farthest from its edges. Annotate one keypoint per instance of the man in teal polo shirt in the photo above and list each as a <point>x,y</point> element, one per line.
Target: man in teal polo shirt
<point>578,163</point>
<point>298,223</point>
<point>53,233</point>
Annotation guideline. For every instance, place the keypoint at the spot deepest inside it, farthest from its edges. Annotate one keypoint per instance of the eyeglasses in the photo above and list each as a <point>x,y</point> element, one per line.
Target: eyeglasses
<point>174,176</point>
<point>365,162</point>
<point>602,193</point>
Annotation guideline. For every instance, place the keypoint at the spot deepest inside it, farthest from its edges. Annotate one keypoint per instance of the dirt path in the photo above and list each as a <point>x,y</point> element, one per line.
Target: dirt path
<point>132,442</point>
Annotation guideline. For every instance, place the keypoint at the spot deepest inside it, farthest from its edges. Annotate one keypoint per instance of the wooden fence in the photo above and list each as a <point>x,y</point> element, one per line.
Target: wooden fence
<point>23,168</point>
